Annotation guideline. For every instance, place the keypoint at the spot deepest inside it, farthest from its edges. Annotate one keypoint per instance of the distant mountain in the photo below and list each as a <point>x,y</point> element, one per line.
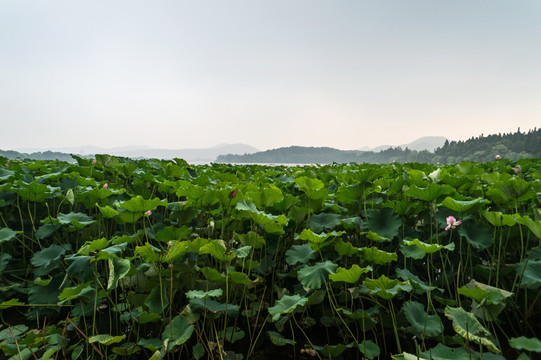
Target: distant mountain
<point>134,151</point>
<point>429,143</point>
<point>508,146</point>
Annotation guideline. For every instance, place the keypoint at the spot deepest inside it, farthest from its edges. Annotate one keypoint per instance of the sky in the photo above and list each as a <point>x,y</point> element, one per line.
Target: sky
<point>194,74</point>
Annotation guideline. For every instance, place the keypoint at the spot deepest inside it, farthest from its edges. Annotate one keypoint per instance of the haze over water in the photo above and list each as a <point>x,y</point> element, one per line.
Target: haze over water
<point>344,74</point>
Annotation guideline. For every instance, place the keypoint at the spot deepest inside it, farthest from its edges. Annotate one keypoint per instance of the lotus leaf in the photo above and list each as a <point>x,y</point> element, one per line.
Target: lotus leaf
<point>423,325</point>
<point>351,275</point>
<point>286,305</point>
<point>386,288</point>
<point>314,276</point>
<point>177,332</point>
<point>300,254</point>
<point>467,326</point>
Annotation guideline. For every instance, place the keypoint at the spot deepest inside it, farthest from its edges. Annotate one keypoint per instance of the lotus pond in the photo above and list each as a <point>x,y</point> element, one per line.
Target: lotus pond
<point>154,259</point>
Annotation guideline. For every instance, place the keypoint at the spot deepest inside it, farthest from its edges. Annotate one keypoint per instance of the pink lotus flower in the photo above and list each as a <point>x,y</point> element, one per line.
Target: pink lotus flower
<point>517,170</point>
<point>105,186</point>
<point>94,162</point>
<point>452,223</point>
<point>148,213</point>
<point>497,157</point>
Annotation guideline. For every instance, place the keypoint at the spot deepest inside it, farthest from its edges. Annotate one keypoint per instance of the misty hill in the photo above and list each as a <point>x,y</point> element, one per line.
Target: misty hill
<point>133,151</point>
<point>483,148</point>
<point>429,143</point>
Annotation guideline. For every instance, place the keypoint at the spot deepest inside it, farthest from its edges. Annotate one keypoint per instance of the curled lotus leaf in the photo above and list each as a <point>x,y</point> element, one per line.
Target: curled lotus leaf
<point>467,326</point>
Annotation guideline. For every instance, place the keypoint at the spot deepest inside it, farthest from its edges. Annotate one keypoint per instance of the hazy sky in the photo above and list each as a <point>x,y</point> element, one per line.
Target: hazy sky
<point>193,74</point>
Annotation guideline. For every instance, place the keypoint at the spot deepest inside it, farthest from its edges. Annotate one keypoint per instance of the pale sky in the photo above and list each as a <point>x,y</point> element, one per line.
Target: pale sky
<point>194,74</point>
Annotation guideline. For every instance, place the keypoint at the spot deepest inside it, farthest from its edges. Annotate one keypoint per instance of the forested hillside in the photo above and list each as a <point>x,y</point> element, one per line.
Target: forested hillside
<point>512,146</point>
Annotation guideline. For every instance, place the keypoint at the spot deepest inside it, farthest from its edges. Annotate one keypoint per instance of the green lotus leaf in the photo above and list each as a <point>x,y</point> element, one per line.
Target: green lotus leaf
<point>175,251</point>
<point>7,234</point>
<point>376,256</point>
<point>242,252</point>
<point>10,303</point>
<point>152,344</point>
<point>333,351</point>
<point>5,174</point>
<point>278,340</point>
<point>477,235</point>
<point>106,339</point>
<point>320,222</point>
<point>345,248</point>
<point>349,194</point>
<point>313,188</point>
<point>462,206</point>
<point>351,275</point>
<point>411,251</point>
<point>407,356</point>
<point>265,197</point>
<point>429,248</point>
<point>218,250</point>
<point>431,193</point>
<point>252,239</point>
<point>314,276</point>
<point>199,294</point>
<point>467,326</point>
<point>4,261</point>
<point>118,269</point>
<point>300,254</point>
<point>13,331</point>
<point>78,220</point>
<point>369,348</point>
<point>79,267</point>
<point>107,211</point>
<point>232,334</point>
<point>177,332</point>
<point>35,192</point>
<point>372,236</point>
<point>198,305</point>
<point>111,251</point>
<point>158,300</point>
<point>45,257</point>
<point>496,218</point>
<point>533,225</point>
<point>213,275</point>
<point>318,241</point>
<point>84,290</point>
<point>144,317</point>
<point>93,246</point>
<point>260,217</point>
<point>442,352</point>
<point>531,273</point>
<point>384,222</point>
<point>286,305</point>
<point>417,283</point>
<point>524,343</point>
<point>173,233</point>
<point>386,288</point>
<point>423,325</point>
<point>139,205</point>
<point>46,231</point>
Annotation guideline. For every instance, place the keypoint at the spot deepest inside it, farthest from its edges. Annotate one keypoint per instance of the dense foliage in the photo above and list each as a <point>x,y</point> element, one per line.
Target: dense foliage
<point>512,146</point>
<point>160,259</point>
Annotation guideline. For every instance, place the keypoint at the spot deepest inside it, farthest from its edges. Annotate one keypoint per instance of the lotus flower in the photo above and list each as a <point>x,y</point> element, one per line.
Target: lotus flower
<point>105,186</point>
<point>94,162</point>
<point>497,157</point>
<point>517,170</point>
<point>232,194</point>
<point>452,223</point>
<point>148,213</point>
